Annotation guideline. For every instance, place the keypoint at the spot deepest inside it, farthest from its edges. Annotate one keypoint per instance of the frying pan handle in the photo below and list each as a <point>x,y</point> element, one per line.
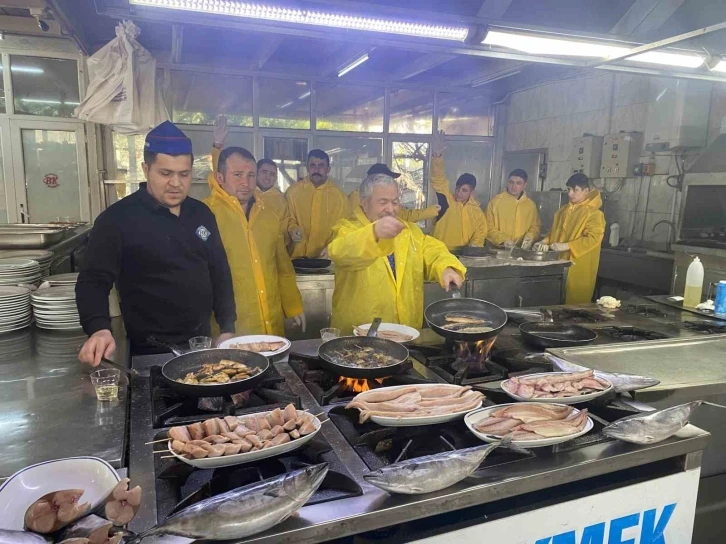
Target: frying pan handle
<point>373,329</point>
<point>176,350</point>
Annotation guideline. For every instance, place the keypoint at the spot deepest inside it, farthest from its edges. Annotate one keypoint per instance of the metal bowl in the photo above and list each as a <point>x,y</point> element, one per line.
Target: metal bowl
<point>532,255</point>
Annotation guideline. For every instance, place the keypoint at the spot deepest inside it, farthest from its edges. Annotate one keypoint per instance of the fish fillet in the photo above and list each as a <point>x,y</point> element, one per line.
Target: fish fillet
<point>531,414</point>
<point>384,395</point>
<point>383,406</point>
<point>443,391</point>
<point>464,318</point>
<point>592,383</point>
<point>556,378</point>
<point>552,429</point>
<point>498,428</point>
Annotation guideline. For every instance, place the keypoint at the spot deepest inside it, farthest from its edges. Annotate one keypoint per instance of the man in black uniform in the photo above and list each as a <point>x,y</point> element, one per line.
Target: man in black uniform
<point>163,251</point>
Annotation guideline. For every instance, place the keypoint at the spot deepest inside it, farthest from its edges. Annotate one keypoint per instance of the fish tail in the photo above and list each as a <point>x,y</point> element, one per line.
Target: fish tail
<point>136,538</point>
<point>507,442</point>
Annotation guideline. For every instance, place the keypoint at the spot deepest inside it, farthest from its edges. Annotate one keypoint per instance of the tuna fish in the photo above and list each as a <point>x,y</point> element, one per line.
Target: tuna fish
<point>622,383</point>
<point>20,537</point>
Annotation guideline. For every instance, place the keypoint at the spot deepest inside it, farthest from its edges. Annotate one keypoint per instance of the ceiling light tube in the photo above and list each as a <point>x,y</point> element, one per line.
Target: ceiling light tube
<point>303,96</point>
<point>26,69</point>
<point>286,105</point>
<point>47,101</point>
<point>251,10</point>
<point>353,64</point>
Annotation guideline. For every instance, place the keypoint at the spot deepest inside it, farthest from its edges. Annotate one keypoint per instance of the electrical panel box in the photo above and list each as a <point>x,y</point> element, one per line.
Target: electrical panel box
<point>585,156</point>
<point>620,154</point>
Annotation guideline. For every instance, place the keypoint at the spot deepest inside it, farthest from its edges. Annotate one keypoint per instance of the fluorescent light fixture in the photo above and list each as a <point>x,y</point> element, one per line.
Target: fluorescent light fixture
<point>25,69</point>
<point>287,105</point>
<point>310,17</point>
<point>353,64</point>
<point>542,45</point>
<point>720,67</point>
<point>303,96</point>
<point>46,101</point>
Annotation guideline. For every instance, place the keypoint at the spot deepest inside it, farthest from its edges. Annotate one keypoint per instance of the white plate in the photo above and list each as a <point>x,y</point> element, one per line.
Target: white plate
<point>15,328</point>
<point>240,458</point>
<point>258,338</point>
<point>74,327</point>
<point>68,279</point>
<point>474,417</point>
<point>13,292</point>
<point>559,400</point>
<point>420,420</point>
<point>402,329</point>
<point>95,476</point>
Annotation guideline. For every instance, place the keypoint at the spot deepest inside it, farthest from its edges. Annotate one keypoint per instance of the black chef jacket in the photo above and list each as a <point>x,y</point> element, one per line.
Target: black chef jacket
<point>171,272</point>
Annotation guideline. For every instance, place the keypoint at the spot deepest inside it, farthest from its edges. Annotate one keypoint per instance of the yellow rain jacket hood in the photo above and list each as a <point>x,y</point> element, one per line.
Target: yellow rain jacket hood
<point>365,286</point>
<point>412,216</point>
<point>314,211</point>
<point>462,224</point>
<point>511,218</point>
<point>265,291</point>
<point>583,227</point>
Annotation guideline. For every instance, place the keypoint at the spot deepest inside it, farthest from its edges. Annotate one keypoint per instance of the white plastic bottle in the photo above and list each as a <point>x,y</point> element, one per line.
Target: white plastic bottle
<point>614,234</point>
<point>694,284</point>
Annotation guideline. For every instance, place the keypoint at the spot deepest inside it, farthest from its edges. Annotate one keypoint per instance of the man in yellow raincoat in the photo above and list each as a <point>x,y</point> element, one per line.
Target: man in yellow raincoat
<point>413,216</point>
<point>265,289</point>
<point>512,218</point>
<point>316,204</point>
<point>577,232</point>
<point>382,262</point>
<point>464,222</point>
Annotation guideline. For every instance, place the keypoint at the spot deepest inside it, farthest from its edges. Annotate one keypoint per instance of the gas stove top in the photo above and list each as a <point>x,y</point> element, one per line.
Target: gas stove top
<point>646,310</point>
<point>630,334</point>
<point>705,326</point>
<point>576,315</point>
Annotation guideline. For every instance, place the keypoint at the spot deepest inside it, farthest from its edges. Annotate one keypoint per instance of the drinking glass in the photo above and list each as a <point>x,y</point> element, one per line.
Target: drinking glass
<point>329,334</point>
<point>200,342</point>
<point>105,382</point>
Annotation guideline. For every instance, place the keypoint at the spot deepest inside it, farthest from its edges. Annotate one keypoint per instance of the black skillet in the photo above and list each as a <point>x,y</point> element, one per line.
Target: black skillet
<point>555,335</point>
<point>493,315</point>
<point>311,263</point>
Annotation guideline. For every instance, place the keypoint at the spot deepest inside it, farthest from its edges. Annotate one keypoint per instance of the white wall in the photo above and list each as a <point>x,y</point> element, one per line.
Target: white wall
<point>551,115</point>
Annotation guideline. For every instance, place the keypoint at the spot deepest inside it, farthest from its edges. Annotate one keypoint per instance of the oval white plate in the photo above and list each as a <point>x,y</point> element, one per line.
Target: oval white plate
<point>474,417</point>
<point>420,420</point>
<point>394,327</point>
<point>258,338</point>
<point>95,476</point>
<point>240,458</point>
<point>559,400</point>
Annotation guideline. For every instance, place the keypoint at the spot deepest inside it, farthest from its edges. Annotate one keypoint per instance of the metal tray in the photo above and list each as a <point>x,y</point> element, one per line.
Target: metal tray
<point>665,299</point>
<point>39,226</point>
<point>29,238</point>
<point>532,255</point>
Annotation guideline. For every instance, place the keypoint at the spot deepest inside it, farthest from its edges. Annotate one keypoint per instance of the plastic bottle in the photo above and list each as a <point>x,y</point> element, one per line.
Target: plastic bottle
<point>614,234</point>
<point>720,303</point>
<point>694,284</point>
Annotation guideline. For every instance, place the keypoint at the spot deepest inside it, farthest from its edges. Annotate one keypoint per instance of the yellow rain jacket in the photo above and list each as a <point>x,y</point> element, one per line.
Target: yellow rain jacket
<point>583,227</point>
<point>314,211</point>
<point>412,216</point>
<point>462,224</point>
<point>365,286</point>
<point>274,199</point>
<point>510,218</point>
<point>265,291</point>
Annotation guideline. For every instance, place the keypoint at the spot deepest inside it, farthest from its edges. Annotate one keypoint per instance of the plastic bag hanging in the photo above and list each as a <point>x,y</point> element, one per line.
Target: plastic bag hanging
<point>123,90</point>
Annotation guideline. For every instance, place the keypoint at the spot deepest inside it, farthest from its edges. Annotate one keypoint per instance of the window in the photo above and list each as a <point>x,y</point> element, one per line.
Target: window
<point>411,159</point>
<point>290,155</point>
<point>461,115</point>
<point>284,103</point>
<point>43,86</point>
<point>412,112</point>
<point>198,98</point>
<point>128,153</point>
<point>349,108</point>
<point>469,157</point>
<point>350,158</point>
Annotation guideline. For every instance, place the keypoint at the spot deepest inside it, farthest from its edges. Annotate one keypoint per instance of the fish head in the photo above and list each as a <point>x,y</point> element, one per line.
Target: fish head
<point>636,430</point>
<point>396,478</point>
<point>302,483</point>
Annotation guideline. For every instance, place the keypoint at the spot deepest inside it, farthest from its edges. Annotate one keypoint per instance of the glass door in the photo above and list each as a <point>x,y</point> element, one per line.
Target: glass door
<point>51,176</point>
<point>411,158</point>
<point>289,150</point>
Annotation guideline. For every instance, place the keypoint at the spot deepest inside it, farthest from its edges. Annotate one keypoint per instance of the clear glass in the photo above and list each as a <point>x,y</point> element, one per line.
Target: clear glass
<point>350,158</point>
<point>329,334</point>
<point>43,86</point>
<point>470,157</point>
<point>284,103</point>
<point>200,342</point>
<point>462,115</point>
<point>105,382</point>
<point>198,98</point>
<point>411,159</point>
<point>51,173</point>
<point>349,108</point>
<point>411,112</point>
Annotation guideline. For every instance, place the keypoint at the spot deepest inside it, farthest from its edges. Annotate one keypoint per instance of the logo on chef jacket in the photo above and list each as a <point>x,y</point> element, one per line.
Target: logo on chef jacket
<point>51,180</point>
<point>652,530</point>
<point>203,233</point>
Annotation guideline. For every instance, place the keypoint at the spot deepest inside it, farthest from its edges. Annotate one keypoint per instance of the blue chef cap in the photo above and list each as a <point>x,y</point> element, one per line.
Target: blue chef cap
<point>168,139</point>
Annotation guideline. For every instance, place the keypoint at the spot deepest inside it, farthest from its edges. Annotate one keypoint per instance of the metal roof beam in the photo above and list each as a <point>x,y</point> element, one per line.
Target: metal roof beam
<point>645,16</point>
<point>268,50</point>
<point>493,9</point>
<point>422,64</point>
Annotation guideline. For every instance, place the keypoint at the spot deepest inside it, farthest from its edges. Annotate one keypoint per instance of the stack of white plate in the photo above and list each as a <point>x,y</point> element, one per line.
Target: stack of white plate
<point>15,270</point>
<point>62,279</point>
<point>55,308</point>
<point>43,256</point>
<point>15,313</point>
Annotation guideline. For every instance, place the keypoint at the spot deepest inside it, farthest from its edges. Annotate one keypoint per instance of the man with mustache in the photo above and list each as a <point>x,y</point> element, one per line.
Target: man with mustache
<point>381,262</point>
<point>316,204</point>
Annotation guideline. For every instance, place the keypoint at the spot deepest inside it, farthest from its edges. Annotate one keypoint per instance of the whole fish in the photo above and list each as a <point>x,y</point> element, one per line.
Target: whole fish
<point>244,511</point>
<point>20,537</point>
<point>429,473</point>
<point>622,383</point>
<point>653,427</point>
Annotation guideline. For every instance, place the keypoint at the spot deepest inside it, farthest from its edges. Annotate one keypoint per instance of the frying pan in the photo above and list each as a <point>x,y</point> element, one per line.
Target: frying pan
<point>181,365</point>
<point>475,251</point>
<point>435,314</point>
<point>311,263</point>
<point>327,353</point>
<point>555,335</point>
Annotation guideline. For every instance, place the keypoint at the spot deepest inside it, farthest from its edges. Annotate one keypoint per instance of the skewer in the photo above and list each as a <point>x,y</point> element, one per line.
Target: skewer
<point>162,451</point>
<point>156,441</point>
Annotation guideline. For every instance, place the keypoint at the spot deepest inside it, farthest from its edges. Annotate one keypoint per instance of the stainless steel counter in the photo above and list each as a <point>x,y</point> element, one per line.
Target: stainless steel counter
<point>48,407</point>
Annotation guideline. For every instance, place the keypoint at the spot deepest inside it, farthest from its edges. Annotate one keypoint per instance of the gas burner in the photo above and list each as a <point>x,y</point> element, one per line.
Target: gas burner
<point>576,315</point>
<point>630,334</point>
<point>169,408</point>
<point>329,388</point>
<point>519,361</point>
<point>461,364</point>
<point>706,327</point>
<point>645,310</point>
